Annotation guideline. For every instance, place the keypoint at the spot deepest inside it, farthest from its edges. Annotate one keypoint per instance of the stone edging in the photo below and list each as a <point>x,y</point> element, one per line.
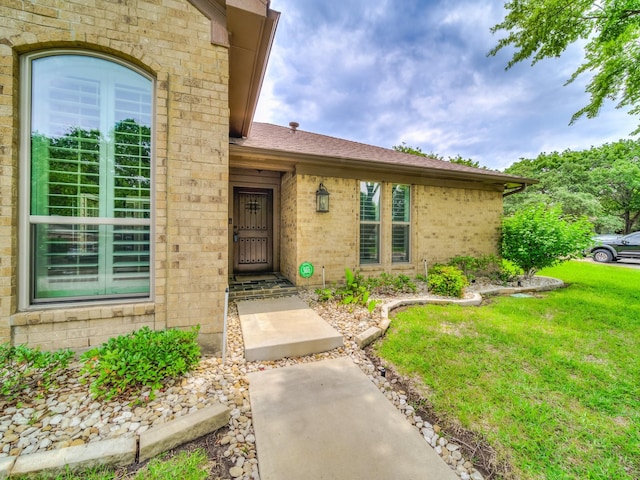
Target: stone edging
<point>121,451</point>
<point>125,451</point>
<point>370,335</point>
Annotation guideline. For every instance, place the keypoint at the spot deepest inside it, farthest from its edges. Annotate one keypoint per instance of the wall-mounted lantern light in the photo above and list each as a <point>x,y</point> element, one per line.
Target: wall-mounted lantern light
<point>322,199</point>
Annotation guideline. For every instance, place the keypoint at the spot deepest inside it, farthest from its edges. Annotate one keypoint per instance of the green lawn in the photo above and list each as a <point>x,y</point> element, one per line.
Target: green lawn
<point>183,466</point>
<point>553,382</point>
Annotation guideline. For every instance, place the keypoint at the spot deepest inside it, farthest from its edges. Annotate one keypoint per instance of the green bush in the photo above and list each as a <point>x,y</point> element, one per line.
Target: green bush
<point>471,267</point>
<point>447,280</point>
<point>23,367</point>
<point>487,266</point>
<point>325,294</point>
<point>355,291</point>
<point>396,284</point>
<point>540,236</point>
<point>509,271</point>
<point>389,283</point>
<point>144,358</point>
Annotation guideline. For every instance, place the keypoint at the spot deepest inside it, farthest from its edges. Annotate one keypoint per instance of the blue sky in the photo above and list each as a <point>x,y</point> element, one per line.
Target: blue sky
<point>384,72</point>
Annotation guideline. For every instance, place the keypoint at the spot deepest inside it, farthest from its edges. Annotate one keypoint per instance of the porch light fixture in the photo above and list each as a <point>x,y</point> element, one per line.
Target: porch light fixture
<point>322,199</point>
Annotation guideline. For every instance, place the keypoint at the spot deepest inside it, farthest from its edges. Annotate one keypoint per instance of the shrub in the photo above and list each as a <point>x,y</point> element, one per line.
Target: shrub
<point>355,291</point>
<point>144,358</point>
<point>488,266</point>
<point>325,294</point>
<point>509,271</point>
<point>471,267</point>
<point>23,367</point>
<point>539,236</point>
<point>447,280</point>
<point>388,283</point>
<point>475,267</point>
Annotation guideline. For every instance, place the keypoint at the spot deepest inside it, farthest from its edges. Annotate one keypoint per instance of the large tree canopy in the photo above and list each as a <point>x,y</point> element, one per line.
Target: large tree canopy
<point>541,29</point>
<point>602,183</point>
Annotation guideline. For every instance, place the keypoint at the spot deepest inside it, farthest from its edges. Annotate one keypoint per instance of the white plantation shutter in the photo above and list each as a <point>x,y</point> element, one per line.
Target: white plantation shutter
<point>369,222</point>
<point>90,179</point>
<point>400,223</point>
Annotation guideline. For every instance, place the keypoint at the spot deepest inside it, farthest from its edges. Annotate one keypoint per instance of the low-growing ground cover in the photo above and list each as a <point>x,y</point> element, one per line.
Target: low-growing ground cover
<point>550,381</point>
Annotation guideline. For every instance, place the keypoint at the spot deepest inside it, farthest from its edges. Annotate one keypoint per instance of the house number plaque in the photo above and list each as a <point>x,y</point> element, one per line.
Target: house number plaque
<point>306,270</point>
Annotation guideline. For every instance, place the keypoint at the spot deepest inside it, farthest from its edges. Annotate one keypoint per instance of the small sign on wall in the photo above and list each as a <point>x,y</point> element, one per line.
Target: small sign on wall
<point>306,270</point>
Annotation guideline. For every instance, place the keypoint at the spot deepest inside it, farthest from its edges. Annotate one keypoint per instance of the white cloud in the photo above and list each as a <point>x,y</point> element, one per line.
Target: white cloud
<point>382,73</point>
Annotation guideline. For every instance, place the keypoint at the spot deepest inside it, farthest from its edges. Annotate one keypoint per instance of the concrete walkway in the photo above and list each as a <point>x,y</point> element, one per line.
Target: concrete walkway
<point>327,420</point>
<point>275,328</point>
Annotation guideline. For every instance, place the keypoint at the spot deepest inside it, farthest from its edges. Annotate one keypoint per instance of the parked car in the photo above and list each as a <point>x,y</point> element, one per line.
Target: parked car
<point>605,237</point>
<point>611,248</point>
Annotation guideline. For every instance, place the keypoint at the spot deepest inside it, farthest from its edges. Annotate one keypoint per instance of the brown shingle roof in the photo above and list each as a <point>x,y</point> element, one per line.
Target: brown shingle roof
<point>264,136</point>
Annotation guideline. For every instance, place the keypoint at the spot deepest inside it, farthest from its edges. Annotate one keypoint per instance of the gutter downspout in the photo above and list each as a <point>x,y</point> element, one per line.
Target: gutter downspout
<point>521,188</point>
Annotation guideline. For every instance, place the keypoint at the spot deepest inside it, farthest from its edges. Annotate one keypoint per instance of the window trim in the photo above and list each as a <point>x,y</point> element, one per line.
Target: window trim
<point>25,219</point>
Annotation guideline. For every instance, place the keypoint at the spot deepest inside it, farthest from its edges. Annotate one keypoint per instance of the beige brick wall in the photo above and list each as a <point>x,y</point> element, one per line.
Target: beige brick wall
<point>289,226</point>
<point>445,222</point>
<point>81,328</point>
<point>170,40</point>
<point>327,239</point>
<point>454,221</point>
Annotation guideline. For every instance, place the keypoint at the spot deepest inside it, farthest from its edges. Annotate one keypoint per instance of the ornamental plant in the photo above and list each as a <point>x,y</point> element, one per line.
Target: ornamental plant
<point>540,236</point>
<point>23,368</point>
<point>486,266</point>
<point>141,359</point>
<point>388,283</point>
<point>447,280</point>
<point>509,271</point>
<point>355,291</point>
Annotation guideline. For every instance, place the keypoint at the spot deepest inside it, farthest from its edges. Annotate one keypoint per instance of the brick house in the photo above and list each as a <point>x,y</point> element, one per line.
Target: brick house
<point>133,181</point>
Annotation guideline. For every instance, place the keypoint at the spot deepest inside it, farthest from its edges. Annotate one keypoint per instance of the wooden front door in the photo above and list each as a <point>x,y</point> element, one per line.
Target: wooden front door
<point>252,230</point>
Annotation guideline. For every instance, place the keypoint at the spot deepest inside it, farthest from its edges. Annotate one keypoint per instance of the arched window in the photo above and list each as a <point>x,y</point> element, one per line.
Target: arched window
<point>86,186</point>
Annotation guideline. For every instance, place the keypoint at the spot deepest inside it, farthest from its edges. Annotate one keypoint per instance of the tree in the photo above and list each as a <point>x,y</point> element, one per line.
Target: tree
<point>404,148</point>
<point>601,183</point>
<point>465,161</point>
<point>541,29</point>
<point>540,236</point>
<point>620,185</point>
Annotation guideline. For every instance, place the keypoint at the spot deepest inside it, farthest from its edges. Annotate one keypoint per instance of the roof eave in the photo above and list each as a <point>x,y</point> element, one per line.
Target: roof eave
<point>251,35</point>
<point>286,160</point>
<point>247,28</point>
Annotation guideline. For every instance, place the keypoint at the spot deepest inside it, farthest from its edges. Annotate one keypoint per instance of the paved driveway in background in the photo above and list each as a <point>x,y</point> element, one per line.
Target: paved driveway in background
<point>627,262</point>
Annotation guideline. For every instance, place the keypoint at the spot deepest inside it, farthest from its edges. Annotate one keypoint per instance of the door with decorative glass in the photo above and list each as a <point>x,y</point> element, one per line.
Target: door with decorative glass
<point>252,230</point>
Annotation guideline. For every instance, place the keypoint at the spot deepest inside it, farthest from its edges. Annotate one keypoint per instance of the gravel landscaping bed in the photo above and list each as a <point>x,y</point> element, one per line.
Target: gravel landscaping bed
<point>70,416</point>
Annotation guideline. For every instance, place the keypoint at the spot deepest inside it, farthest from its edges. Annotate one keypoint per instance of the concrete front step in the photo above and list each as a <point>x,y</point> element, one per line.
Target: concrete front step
<point>260,285</point>
<point>284,327</point>
<point>327,420</point>
<point>264,293</point>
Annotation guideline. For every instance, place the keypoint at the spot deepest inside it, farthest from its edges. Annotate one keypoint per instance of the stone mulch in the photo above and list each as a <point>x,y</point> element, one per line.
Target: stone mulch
<point>69,415</point>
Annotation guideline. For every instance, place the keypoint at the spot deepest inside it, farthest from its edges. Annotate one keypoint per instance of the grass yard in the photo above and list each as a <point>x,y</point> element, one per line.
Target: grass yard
<point>183,466</point>
<point>553,383</point>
